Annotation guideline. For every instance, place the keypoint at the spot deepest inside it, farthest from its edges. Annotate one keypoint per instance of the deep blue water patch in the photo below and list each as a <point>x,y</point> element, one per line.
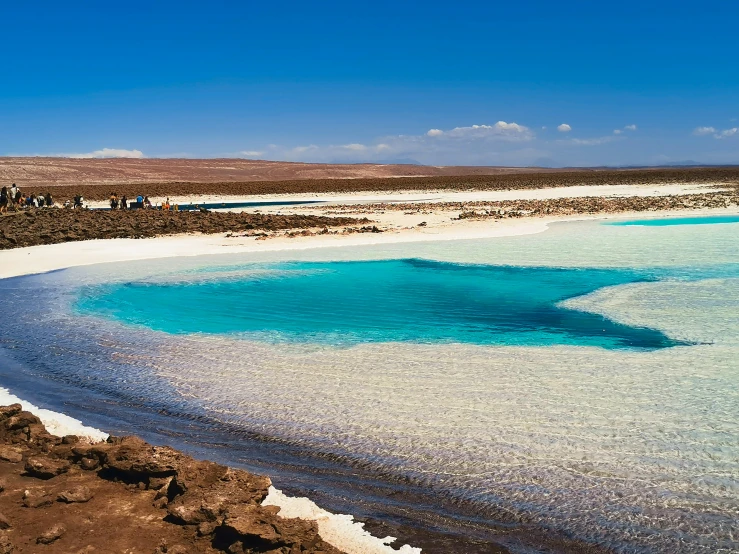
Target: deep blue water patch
<point>667,221</point>
<point>410,300</point>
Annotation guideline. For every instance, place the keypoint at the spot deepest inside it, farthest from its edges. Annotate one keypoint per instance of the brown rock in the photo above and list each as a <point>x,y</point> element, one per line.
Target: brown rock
<point>45,468</point>
<point>52,534</point>
<point>134,458</point>
<point>37,499</point>
<point>206,528</point>
<point>4,522</point>
<point>157,483</point>
<point>70,439</point>
<point>89,464</point>
<point>10,454</point>
<point>6,547</point>
<point>252,522</point>
<point>77,494</point>
<point>9,411</point>
<point>21,420</point>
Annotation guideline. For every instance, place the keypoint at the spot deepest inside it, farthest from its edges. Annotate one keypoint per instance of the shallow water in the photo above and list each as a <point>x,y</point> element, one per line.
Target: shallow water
<point>698,220</point>
<point>347,303</point>
<point>634,448</point>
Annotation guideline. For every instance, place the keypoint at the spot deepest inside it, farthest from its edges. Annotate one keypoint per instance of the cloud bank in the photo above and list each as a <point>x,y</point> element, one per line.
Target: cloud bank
<point>705,131</point>
<point>108,153</point>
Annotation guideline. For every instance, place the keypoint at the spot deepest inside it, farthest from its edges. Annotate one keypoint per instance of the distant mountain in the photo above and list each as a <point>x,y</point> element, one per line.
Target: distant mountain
<point>545,162</point>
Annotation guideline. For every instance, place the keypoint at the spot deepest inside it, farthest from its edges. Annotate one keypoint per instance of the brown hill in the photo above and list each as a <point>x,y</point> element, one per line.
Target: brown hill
<point>77,171</point>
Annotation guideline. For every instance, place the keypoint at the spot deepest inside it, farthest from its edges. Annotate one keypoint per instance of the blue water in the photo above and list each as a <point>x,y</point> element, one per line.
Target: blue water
<point>409,300</point>
<point>662,222</point>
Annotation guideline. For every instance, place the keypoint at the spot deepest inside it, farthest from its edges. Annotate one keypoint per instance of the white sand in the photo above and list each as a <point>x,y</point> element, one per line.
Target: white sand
<point>40,259</point>
<point>447,195</point>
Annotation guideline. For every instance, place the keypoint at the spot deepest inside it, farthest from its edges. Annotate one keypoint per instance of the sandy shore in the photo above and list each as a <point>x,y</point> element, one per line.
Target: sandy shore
<point>40,259</point>
<point>434,217</point>
<point>443,195</point>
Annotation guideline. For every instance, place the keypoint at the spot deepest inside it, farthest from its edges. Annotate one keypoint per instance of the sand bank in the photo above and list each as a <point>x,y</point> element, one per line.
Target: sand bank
<point>40,259</point>
<point>655,189</point>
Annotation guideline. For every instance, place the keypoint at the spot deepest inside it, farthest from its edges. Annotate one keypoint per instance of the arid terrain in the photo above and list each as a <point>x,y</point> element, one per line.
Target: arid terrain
<point>96,179</point>
<point>36,171</point>
<point>50,226</point>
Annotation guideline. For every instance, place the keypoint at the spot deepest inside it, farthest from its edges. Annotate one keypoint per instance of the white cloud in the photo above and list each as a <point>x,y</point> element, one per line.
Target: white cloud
<point>564,128</point>
<point>617,131</point>
<point>588,142</point>
<point>355,147</point>
<point>500,130</point>
<point>109,153</point>
<point>250,153</point>
<point>301,149</point>
<point>630,127</point>
<point>702,131</point>
<point>381,147</point>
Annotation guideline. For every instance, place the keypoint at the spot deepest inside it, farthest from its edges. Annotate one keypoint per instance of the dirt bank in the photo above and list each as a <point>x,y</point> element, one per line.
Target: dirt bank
<point>49,226</point>
<point>60,495</point>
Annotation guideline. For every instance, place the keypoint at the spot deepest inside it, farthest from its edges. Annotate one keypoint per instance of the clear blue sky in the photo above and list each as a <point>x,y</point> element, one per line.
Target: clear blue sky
<point>628,82</point>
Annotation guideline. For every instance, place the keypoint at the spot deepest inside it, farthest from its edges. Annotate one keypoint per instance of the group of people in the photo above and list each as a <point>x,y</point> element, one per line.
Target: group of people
<point>122,203</point>
<point>11,198</point>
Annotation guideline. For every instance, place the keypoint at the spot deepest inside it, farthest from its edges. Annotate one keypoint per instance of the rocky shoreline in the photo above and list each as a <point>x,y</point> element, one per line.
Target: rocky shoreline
<point>586,205</point>
<point>33,226</point>
<point>60,494</point>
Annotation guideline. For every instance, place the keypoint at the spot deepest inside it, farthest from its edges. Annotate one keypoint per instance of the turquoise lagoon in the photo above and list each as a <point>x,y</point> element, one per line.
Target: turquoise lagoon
<point>696,220</point>
<point>410,300</point>
<point>584,379</point>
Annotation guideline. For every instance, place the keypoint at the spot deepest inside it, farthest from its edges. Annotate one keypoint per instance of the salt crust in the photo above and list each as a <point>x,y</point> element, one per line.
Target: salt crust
<point>339,530</point>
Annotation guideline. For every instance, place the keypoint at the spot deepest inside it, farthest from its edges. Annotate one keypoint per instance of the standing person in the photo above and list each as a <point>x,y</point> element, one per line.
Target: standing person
<point>147,202</point>
<point>13,191</point>
<point>49,200</point>
<point>3,200</point>
<point>40,200</point>
<point>17,197</point>
<point>124,202</point>
<point>114,201</point>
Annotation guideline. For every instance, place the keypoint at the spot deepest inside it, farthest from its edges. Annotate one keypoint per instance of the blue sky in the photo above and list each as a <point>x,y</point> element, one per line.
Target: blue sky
<point>499,83</point>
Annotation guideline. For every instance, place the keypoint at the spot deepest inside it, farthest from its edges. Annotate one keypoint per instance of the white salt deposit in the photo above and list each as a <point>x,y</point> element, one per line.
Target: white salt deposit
<point>339,530</point>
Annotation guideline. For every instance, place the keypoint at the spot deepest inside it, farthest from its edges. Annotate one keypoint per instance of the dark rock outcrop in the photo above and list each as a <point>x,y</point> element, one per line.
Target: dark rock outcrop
<point>64,495</point>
